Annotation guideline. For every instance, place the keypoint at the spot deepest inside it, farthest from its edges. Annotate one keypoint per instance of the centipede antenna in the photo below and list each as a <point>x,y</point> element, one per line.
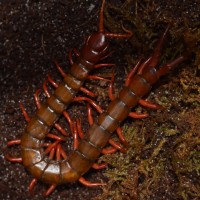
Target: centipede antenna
<point>101,27</point>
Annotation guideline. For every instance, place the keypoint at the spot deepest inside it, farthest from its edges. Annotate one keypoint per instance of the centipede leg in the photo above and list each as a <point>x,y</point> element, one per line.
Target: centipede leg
<point>88,183</point>
<point>90,101</point>
<point>74,50</point>
<point>32,185</point>
<point>8,157</point>
<point>13,142</point>
<point>12,159</point>
<point>27,118</point>
<point>95,77</point>
<point>138,115</point>
<point>75,135</point>
<point>121,136</point>
<point>148,104</point>
<point>111,89</point>
<point>63,74</point>
<point>88,92</point>
<point>67,117</point>
<point>116,145</point>
<point>99,166</point>
<point>50,190</point>
<point>108,150</point>
<point>55,137</point>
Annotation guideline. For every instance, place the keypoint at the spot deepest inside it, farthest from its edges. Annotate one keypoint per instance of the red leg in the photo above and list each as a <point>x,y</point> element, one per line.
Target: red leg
<point>8,157</point>
<point>50,190</point>
<point>79,129</point>
<point>62,153</point>
<point>108,150</point>
<point>143,65</point>
<point>60,129</point>
<point>90,101</point>
<point>70,55</point>
<point>138,115</point>
<point>11,159</point>
<point>97,66</point>
<point>36,97</point>
<point>58,152</point>
<point>51,146</point>
<point>75,135</point>
<point>55,137</point>
<point>63,74</point>
<point>13,142</point>
<point>52,153</point>
<point>53,83</point>
<point>111,89</point>
<point>133,72</point>
<point>27,118</point>
<point>88,92</point>
<point>121,136</point>
<point>90,118</point>
<point>45,89</point>
<point>32,185</point>
<point>94,77</point>
<point>99,166</point>
<point>116,145</point>
<point>67,117</point>
<point>88,183</point>
<point>148,104</point>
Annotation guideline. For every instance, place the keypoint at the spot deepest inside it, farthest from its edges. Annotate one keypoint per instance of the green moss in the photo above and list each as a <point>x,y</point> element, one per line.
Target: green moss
<point>163,159</point>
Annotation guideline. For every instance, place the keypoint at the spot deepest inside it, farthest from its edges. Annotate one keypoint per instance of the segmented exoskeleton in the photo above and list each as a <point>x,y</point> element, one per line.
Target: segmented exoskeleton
<point>34,158</point>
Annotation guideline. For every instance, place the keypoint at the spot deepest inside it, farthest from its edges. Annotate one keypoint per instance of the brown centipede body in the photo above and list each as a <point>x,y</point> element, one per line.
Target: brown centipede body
<point>138,84</point>
<point>34,158</point>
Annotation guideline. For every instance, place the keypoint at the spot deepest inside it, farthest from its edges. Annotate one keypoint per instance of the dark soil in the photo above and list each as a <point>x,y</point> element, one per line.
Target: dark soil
<point>35,33</point>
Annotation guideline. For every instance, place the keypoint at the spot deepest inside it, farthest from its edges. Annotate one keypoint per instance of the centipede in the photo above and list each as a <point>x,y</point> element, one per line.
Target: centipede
<point>138,84</point>
<point>93,51</point>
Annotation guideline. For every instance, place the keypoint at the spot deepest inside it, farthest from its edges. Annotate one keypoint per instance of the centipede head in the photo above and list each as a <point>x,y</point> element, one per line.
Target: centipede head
<point>97,41</point>
<point>95,48</point>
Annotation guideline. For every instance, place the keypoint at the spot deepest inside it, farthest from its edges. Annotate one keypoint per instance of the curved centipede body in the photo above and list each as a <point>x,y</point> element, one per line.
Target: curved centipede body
<point>71,169</point>
<point>95,49</point>
<point>138,84</point>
